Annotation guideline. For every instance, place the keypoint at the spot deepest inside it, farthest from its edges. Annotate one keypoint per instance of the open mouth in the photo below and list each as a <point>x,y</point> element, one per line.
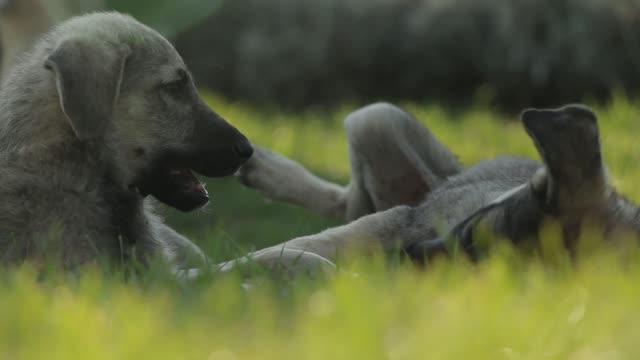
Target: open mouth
<point>176,187</point>
<point>188,183</point>
<point>171,180</point>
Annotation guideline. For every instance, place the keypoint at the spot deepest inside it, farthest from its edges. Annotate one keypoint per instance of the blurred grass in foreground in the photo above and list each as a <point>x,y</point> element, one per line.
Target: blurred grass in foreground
<point>506,308</point>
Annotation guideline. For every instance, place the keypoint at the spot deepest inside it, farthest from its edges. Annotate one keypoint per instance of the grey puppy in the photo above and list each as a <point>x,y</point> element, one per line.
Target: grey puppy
<point>408,192</point>
<point>100,114</point>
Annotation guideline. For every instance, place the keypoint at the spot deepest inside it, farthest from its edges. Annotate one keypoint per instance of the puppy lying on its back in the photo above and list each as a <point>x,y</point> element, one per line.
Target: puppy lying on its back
<point>409,192</point>
<point>100,114</point>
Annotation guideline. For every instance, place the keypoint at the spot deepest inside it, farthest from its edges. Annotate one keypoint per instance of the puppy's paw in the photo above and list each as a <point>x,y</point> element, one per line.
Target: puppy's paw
<point>269,173</point>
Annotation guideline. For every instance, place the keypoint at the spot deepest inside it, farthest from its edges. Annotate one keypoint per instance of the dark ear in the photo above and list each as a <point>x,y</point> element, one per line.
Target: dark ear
<point>88,76</point>
<point>568,141</point>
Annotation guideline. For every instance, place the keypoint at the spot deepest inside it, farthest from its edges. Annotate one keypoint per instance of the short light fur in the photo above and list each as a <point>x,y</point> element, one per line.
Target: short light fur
<point>409,193</point>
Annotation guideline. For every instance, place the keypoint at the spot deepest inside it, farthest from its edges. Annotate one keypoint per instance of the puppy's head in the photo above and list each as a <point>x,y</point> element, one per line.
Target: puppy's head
<point>124,89</point>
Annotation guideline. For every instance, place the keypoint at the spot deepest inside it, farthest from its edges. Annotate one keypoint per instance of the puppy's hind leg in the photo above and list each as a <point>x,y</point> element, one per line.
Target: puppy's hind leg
<point>395,160</point>
<point>386,231</point>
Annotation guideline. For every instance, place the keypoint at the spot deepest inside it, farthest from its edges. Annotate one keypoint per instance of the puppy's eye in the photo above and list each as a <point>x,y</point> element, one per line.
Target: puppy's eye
<point>176,85</point>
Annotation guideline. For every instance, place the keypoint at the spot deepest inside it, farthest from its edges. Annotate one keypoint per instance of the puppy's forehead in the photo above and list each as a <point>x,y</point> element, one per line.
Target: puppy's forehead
<point>157,55</point>
<point>119,29</point>
<point>169,72</point>
<point>150,52</point>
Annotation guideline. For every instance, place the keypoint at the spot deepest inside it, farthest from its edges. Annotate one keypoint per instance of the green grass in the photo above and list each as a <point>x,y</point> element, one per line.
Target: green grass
<point>506,308</point>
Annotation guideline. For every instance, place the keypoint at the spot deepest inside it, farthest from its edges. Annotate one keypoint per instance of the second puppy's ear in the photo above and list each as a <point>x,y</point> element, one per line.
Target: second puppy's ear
<point>568,140</point>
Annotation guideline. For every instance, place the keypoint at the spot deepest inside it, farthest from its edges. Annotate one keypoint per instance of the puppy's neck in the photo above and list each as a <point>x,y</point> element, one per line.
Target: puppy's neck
<point>74,165</point>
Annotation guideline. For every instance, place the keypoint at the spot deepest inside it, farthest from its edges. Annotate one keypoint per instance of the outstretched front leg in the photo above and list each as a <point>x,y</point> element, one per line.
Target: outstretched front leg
<point>285,180</point>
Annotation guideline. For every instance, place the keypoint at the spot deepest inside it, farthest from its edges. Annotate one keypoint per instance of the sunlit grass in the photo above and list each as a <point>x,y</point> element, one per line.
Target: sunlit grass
<point>506,308</point>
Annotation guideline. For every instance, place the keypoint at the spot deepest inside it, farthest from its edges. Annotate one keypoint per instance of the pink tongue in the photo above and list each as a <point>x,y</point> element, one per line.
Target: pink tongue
<point>194,184</point>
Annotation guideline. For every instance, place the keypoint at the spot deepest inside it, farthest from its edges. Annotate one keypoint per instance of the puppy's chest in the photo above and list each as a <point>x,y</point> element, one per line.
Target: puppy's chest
<point>126,219</point>
<point>129,224</point>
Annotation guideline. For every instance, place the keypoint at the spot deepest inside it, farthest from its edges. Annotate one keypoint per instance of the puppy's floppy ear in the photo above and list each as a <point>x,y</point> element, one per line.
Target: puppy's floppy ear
<point>88,76</point>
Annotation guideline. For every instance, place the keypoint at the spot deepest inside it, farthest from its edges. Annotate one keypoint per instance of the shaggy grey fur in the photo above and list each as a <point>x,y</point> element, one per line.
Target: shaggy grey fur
<point>100,113</point>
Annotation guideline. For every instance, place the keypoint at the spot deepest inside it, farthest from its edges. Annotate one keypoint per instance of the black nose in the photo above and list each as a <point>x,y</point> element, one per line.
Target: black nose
<point>244,150</point>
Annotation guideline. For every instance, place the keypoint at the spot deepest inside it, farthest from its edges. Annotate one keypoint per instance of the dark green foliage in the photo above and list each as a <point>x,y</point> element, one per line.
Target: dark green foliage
<point>167,16</point>
<point>514,53</point>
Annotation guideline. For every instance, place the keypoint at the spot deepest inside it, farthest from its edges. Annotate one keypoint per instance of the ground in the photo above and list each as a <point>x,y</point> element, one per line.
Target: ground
<point>506,308</point>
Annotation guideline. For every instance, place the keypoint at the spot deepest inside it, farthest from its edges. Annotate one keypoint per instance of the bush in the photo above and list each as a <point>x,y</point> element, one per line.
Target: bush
<point>512,52</point>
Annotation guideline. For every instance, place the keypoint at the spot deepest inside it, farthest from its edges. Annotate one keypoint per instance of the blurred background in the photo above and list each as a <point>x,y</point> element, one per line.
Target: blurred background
<point>297,54</point>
